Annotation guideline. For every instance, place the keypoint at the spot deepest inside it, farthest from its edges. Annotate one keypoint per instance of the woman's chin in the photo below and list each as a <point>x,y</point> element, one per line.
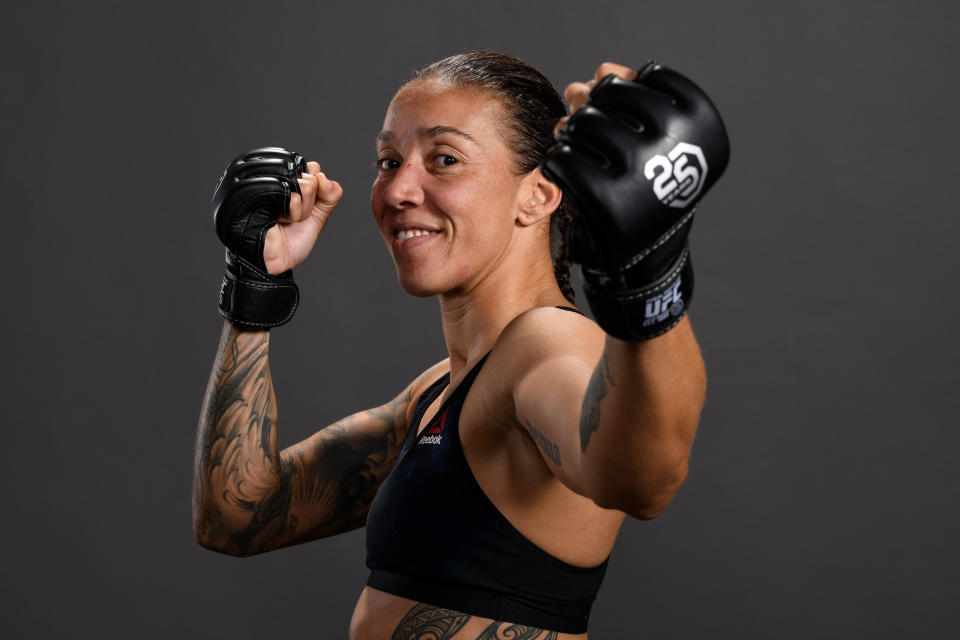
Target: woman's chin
<point>419,287</point>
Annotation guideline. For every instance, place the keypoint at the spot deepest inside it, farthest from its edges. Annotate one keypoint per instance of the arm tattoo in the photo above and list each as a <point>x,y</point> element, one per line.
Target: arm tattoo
<point>343,471</point>
<point>237,463</point>
<point>269,499</point>
<point>548,446</point>
<point>600,381</point>
<point>426,622</point>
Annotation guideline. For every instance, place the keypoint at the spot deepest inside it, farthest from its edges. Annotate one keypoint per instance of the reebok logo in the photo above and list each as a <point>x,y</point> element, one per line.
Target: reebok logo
<point>434,433</point>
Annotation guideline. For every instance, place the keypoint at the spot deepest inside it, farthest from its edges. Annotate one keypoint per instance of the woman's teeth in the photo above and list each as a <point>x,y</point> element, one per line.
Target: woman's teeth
<point>412,233</point>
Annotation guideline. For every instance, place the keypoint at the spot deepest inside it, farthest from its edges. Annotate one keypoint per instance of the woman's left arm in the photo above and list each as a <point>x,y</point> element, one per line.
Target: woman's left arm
<point>636,158</point>
<point>617,430</point>
<point>638,419</point>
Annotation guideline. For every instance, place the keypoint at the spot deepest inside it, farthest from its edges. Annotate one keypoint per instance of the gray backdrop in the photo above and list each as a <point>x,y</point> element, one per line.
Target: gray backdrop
<point>822,498</point>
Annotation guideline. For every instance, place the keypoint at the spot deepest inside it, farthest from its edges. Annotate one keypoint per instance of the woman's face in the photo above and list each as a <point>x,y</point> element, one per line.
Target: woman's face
<point>445,193</point>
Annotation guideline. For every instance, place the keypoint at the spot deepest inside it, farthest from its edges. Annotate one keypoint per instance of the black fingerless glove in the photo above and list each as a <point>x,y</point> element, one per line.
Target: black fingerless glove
<point>635,160</point>
<point>253,192</point>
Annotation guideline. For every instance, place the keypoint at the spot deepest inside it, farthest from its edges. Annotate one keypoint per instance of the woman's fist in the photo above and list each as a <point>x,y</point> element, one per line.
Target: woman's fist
<point>268,208</point>
<point>289,242</point>
<point>577,93</point>
<point>636,156</point>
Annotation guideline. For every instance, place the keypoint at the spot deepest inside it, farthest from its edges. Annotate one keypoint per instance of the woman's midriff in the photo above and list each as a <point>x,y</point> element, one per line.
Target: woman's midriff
<point>384,616</point>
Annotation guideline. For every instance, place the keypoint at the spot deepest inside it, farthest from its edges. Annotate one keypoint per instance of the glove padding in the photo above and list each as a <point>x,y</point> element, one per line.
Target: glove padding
<point>253,192</point>
<point>635,160</point>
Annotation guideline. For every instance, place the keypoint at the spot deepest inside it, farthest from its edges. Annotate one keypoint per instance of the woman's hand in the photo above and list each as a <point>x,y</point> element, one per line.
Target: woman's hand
<point>636,156</point>
<point>576,93</point>
<point>268,228</point>
<point>289,242</point>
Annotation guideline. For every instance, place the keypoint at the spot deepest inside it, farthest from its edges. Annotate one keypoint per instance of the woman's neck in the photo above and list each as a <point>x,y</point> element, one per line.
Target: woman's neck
<point>473,319</point>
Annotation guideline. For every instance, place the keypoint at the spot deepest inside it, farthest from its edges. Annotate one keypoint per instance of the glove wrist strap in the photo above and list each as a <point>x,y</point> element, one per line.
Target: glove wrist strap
<point>253,299</point>
<point>646,312</point>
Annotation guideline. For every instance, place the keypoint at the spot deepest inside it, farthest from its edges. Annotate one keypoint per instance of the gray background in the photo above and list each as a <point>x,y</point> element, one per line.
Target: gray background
<point>822,499</point>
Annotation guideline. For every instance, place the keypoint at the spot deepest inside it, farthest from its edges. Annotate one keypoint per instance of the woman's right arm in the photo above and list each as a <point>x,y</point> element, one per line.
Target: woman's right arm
<point>250,497</point>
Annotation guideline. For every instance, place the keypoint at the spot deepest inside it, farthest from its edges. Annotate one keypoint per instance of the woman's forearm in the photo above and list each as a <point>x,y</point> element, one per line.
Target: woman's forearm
<point>638,420</point>
<point>238,476</point>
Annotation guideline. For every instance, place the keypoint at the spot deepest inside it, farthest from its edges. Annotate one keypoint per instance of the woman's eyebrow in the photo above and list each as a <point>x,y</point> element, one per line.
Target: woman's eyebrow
<point>440,130</point>
<point>432,132</point>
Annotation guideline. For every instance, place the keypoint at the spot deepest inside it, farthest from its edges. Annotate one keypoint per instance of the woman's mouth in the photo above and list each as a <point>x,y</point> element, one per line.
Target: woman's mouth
<point>406,234</point>
<point>407,239</point>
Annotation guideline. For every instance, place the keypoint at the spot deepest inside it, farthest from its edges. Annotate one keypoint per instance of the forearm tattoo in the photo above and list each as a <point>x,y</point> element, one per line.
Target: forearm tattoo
<point>600,382</point>
<point>549,447</point>
<point>248,496</point>
<point>426,622</point>
<point>238,461</point>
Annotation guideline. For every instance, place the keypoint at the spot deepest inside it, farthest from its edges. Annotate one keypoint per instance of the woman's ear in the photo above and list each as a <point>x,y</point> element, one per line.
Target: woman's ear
<point>537,198</point>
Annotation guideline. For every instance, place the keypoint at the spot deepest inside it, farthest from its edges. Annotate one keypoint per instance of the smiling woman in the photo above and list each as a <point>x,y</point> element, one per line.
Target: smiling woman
<point>457,180</point>
<point>493,486</point>
<point>510,108</point>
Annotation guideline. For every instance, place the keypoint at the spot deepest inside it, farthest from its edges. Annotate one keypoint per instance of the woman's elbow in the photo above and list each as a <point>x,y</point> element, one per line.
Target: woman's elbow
<point>218,546</point>
<point>645,499</point>
<point>212,537</point>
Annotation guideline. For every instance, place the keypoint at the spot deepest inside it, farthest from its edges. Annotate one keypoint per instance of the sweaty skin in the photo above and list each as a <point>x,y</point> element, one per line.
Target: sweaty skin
<point>565,428</point>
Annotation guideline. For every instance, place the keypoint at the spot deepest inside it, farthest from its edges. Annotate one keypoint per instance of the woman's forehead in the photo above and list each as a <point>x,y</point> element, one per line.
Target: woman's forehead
<point>431,107</point>
<point>425,88</point>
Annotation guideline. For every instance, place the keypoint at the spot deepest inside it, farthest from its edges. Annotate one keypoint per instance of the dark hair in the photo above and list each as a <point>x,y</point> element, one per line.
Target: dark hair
<point>532,108</point>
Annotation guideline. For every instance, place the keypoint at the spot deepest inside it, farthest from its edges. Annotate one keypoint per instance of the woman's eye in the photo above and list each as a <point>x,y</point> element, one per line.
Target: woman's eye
<point>387,164</point>
<point>446,161</point>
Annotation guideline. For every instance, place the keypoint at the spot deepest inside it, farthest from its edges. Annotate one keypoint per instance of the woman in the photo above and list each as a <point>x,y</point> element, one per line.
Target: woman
<point>515,459</point>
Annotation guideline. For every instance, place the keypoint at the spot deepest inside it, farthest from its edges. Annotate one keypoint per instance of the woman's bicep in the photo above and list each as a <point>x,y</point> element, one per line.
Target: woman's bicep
<point>330,479</point>
<point>332,476</point>
<point>548,401</point>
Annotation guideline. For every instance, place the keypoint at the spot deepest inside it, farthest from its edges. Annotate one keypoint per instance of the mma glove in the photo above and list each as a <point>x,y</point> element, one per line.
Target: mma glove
<point>253,192</point>
<point>635,161</point>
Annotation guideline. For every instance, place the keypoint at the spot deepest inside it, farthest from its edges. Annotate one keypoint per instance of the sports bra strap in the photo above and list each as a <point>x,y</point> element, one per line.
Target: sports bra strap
<point>575,310</point>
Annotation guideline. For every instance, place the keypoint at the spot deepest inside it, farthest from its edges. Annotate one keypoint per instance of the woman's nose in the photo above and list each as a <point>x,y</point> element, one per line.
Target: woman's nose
<point>406,186</point>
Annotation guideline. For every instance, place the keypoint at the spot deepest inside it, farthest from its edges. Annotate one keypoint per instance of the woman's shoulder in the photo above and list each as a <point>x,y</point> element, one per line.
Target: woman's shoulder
<point>432,373</point>
<point>545,334</point>
<point>551,331</point>
<point>422,382</point>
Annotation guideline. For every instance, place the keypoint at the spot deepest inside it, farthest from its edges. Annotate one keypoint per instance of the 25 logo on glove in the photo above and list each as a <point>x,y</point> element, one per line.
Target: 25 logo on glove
<point>668,303</point>
<point>679,175</point>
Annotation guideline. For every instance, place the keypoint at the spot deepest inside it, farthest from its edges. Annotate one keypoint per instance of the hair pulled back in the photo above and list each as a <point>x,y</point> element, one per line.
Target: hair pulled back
<point>531,108</point>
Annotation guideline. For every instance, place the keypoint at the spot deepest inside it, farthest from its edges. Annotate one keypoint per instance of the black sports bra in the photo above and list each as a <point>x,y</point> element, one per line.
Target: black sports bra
<point>434,536</point>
